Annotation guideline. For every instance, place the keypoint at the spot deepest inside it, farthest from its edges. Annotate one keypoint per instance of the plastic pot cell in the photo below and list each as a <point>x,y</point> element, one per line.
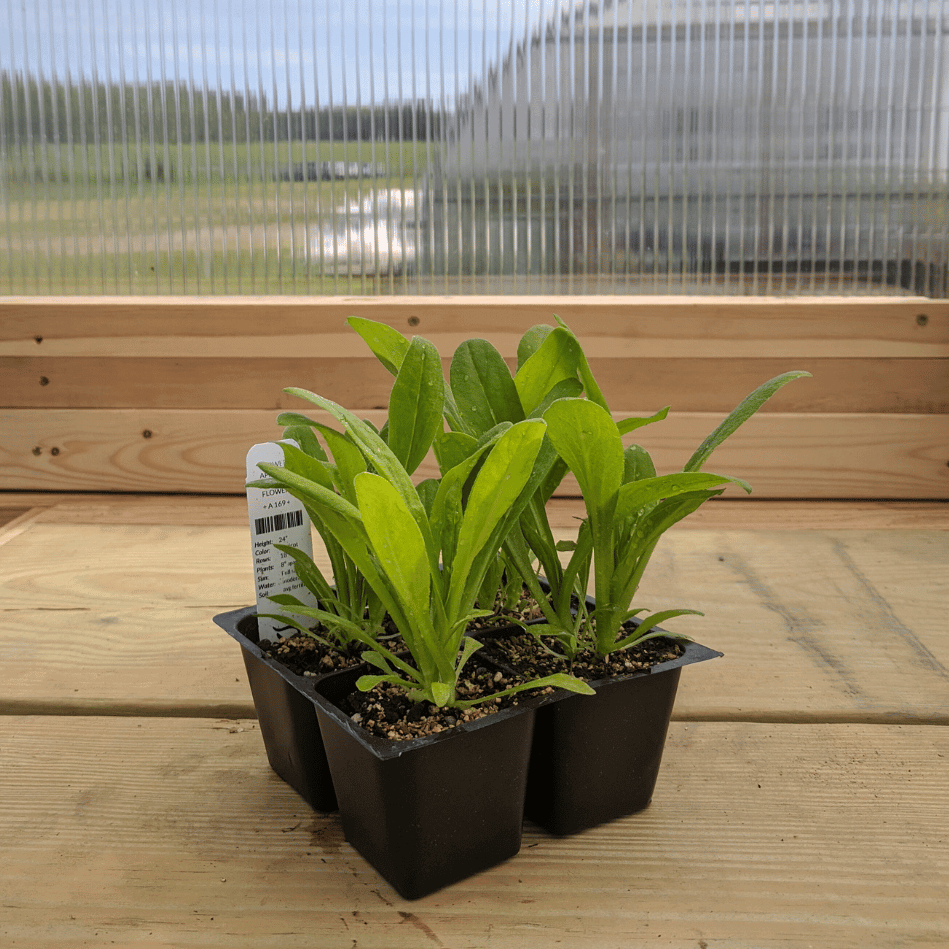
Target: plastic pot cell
<point>430,811</point>
<point>596,758</point>
<point>286,714</point>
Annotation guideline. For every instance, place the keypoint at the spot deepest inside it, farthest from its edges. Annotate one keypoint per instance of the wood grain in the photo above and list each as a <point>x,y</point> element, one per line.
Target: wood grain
<point>176,833</point>
<point>810,622</point>
<point>718,384</point>
<point>782,455</point>
<point>638,326</point>
<point>742,514</point>
<point>8,514</point>
<point>774,514</point>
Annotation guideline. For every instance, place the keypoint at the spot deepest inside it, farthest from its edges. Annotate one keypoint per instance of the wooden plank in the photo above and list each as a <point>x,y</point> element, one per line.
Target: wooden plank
<point>812,623</point>
<point>771,514</point>
<point>161,510</point>
<point>781,455</point>
<point>8,514</point>
<point>116,567</point>
<point>108,618</point>
<point>636,326</point>
<point>738,513</point>
<point>16,521</point>
<point>164,832</point>
<point>867,385</point>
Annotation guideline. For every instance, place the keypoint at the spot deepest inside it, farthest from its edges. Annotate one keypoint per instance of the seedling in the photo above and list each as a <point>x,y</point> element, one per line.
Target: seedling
<point>424,551</point>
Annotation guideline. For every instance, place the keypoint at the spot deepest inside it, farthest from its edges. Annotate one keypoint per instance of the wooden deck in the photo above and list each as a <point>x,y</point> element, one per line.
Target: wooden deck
<point>802,800</point>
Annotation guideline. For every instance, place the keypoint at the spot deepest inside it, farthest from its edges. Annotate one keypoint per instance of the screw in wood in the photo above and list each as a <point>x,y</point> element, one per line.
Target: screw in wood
<point>54,451</point>
<point>922,319</point>
<point>414,321</point>
<point>44,381</point>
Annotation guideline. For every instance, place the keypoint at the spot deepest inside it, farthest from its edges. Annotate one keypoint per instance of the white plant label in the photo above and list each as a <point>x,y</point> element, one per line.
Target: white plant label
<point>276,517</point>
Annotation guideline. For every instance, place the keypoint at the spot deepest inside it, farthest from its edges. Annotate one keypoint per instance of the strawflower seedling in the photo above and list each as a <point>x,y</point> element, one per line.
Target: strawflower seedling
<point>482,393</point>
<point>348,599</point>
<point>628,509</point>
<point>628,506</point>
<point>424,551</point>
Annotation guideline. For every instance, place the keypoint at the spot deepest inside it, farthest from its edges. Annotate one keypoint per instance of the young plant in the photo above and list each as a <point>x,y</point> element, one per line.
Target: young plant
<point>483,393</point>
<point>424,552</point>
<point>628,509</point>
<point>415,419</point>
<point>347,597</point>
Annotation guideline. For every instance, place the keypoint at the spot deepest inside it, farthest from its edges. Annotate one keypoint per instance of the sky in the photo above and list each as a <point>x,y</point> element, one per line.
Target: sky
<point>296,50</point>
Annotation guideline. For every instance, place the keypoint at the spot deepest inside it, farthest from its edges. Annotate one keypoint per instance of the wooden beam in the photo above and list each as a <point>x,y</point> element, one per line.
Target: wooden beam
<point>638,326</point>
<point>782,455</point>
<point>176,832</point>
<point>208,510</point>
<point>251,381</point>
<point>812,623</point>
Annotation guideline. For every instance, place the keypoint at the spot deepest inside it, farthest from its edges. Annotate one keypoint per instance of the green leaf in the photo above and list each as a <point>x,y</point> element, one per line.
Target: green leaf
<point>306,465</point>
<point>367,682</point>
<point>331,621</point>
<point>635,550</point>
<point>427,490</point>
<point>585,436</point>
<point>558,681</point>
<point>417,404</point>
<point>303,435</point>
<point>587,439</point>
<point>372,658</point>
<point>531,341</point>
<point>468,649</point>
<point>586,373</point>
<point>299,627</point>
<point>503,476</point>
<point>565,389</point>
<point>348,458</point>
<point>650,622</point>
<point>382,458</point>
<point>635,495</point>
<point>482,384</point>
<point>442,693</point>
<point>452,448</point>
<point>448,509</point>
<point>397,543</point>
<point>351,537</point>
<point>305,487</point>
<point>637,464</point>
<point>749,405</point>
<point>491,583</point>
<point>557,359</point>
<point>628,425</point>
<point>308,572</point>
<point>388,345</point>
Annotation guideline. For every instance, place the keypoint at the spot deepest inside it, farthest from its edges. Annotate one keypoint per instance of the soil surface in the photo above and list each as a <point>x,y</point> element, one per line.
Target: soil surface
<point>386,711</point>
<point>525,610</point>
<point>307,656</point>
<point>524,654</point>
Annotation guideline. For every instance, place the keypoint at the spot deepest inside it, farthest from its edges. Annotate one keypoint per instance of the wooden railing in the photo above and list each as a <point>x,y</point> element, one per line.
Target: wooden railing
<point>166,394</point>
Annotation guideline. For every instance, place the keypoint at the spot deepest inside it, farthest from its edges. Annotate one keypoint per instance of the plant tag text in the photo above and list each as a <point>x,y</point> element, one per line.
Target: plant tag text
<point>275,517</point>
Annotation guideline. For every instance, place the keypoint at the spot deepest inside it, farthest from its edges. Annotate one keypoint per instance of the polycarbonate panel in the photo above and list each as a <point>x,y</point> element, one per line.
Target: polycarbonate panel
<point>474,146</point>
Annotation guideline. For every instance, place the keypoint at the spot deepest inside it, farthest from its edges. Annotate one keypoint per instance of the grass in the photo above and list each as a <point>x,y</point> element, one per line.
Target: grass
<point>217,233</point>
<point>228,225</point>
